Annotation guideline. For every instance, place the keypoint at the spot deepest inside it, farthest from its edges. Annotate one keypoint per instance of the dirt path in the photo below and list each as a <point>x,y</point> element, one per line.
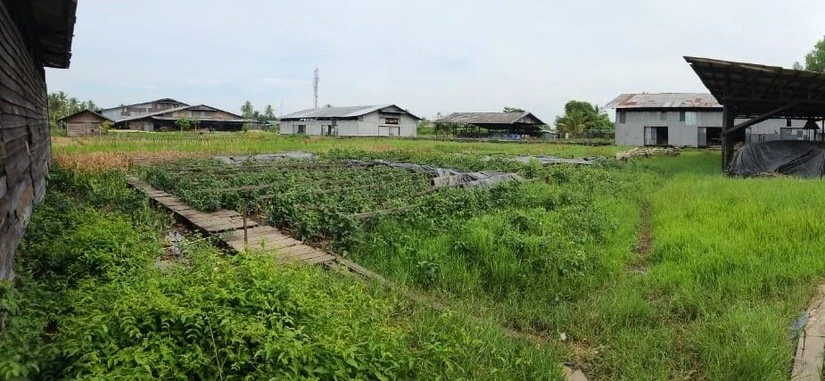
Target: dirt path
<point>644,245</point>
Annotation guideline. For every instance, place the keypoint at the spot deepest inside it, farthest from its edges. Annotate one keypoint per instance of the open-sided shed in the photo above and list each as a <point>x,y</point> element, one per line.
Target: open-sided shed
<point>521,123</point>
<point>757,93</point>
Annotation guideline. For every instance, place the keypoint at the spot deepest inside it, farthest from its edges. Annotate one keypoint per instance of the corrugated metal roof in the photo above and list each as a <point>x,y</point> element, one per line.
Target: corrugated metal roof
<point>172,110</point>
<point>162,100</point>
<point>83,112</point>
<point>487,118</point>
<point>340,112</point>
<point>664,100</point>
<point>753,89</point>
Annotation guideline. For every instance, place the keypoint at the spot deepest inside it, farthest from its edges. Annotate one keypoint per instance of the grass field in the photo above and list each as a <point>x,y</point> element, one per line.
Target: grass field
<point>656,268</point>
<point>263,142</point>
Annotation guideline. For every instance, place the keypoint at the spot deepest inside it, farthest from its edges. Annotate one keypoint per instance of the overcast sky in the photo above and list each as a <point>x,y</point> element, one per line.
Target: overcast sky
<point>427,56</point>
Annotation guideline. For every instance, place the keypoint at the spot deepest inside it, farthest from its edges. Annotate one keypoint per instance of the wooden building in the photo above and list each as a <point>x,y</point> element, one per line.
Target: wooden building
<point>33,35</point>
<point>84,123</point>
<point>199,117</point>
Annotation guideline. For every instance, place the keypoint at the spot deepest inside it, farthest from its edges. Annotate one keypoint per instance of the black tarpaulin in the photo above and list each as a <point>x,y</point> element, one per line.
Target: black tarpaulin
<point>797,158</point>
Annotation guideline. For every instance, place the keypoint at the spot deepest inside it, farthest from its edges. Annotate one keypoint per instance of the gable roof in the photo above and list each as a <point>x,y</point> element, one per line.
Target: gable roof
<point>161,100</point>
<point>341,112</point>
<point>201,107</point>
<point>82,112</point>
<point>490,118</point>
<point>664,100</point>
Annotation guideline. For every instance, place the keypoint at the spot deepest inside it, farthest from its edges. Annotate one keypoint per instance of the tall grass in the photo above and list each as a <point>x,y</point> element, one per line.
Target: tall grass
<point>246,143</point>
<point>92,305</point>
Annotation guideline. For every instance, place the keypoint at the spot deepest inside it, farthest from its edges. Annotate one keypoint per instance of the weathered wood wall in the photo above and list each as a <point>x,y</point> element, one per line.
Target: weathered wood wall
<point>84,124</point>
<point>24,137</point>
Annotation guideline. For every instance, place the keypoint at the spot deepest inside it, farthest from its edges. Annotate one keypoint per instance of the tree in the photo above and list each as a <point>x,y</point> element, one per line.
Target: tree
<point>512,109</point>
<point>247,110</point>
<point>61,105</point>
<point>106,126</point>
<point>582,116</point>
<point>183,124</point>
<point>269,113</point>
<point>815,60</point>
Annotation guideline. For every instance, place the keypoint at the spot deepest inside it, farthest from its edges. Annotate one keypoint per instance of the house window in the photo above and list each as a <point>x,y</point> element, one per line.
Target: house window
<point>302,129</point>
<point>622,117</point>
<point>390,120</point>
<point>690,118</point>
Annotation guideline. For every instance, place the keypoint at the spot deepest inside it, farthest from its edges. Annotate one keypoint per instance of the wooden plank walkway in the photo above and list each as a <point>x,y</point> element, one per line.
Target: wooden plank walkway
<point>228,225</point>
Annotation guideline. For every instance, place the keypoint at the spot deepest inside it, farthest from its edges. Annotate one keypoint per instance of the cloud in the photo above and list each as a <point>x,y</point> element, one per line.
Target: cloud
<point>427,55</point>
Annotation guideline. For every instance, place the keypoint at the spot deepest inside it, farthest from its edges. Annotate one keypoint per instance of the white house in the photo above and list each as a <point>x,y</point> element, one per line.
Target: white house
<point>381,120</point>
<point>686,120</point>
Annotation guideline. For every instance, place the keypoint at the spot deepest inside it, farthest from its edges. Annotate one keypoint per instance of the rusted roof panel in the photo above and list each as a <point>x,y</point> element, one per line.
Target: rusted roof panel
<point>484,118</point>
<point>664,100</point>
<point>341,112</point>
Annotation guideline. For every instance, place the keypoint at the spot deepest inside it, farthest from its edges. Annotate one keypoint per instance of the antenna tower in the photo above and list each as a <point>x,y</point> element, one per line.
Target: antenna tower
<point>315,81</point>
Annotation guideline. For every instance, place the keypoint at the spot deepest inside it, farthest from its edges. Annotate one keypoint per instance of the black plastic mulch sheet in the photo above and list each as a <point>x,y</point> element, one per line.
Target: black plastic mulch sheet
<point>797,158</point>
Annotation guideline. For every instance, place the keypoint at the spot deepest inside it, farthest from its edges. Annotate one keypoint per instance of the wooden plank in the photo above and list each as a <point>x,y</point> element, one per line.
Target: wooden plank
<point>295,251</point>
<point>305,257</point>
<point>326,258</point>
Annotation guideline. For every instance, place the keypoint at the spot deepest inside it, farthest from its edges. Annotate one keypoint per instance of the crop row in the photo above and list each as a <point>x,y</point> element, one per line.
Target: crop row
<point>316,202</point>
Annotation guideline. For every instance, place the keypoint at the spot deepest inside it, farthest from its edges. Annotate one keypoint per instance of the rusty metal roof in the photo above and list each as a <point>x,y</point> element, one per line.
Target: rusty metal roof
<point>341,112</point>
<point>485,118</point>
<point>160,114</point>
<point>84,112</point>
<point>665,100</point>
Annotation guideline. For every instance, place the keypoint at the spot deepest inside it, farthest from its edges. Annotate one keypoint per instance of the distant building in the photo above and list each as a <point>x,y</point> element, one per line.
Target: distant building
<point>199,116</point>
<point>140,109</point>
<point>502,123</point>
<point>383,120</point>
<point>686,120</point>
<point>84,123</point>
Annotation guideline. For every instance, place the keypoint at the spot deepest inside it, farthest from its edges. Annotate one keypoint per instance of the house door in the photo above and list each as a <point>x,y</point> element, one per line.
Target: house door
<point>656,136</point>
<point>710,136</point>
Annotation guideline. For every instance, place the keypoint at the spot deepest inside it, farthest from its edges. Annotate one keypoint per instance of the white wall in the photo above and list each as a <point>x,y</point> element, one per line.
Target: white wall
<point>632,132</point>
<point>368,125</point>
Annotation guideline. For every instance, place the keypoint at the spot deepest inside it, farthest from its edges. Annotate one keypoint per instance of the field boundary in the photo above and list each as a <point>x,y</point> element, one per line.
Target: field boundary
<point>810,348</point>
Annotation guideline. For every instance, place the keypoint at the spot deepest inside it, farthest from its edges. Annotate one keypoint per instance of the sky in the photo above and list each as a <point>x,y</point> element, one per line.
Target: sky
<point>426,56</point>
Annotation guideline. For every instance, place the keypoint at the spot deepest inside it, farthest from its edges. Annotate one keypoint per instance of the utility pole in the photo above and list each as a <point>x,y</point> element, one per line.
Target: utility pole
<point>315,81</point>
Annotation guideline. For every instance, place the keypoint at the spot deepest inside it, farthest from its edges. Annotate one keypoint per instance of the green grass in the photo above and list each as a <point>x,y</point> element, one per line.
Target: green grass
<point>92,305</point>
<point>733,261</point>
<point>245,143</point>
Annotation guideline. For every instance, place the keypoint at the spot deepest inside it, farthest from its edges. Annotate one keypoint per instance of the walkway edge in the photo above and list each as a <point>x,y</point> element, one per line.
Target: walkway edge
<point>807,365</point>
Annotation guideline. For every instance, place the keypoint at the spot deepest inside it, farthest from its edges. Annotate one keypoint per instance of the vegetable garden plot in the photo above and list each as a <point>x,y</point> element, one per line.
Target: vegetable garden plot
<point>317,200</point>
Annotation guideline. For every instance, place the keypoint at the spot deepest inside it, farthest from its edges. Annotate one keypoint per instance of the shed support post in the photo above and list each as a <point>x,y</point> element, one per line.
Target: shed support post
<point>728,119</point>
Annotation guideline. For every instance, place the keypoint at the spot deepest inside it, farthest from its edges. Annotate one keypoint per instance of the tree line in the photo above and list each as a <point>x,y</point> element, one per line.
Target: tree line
<point>248,111</point>
<point>61,105</point>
